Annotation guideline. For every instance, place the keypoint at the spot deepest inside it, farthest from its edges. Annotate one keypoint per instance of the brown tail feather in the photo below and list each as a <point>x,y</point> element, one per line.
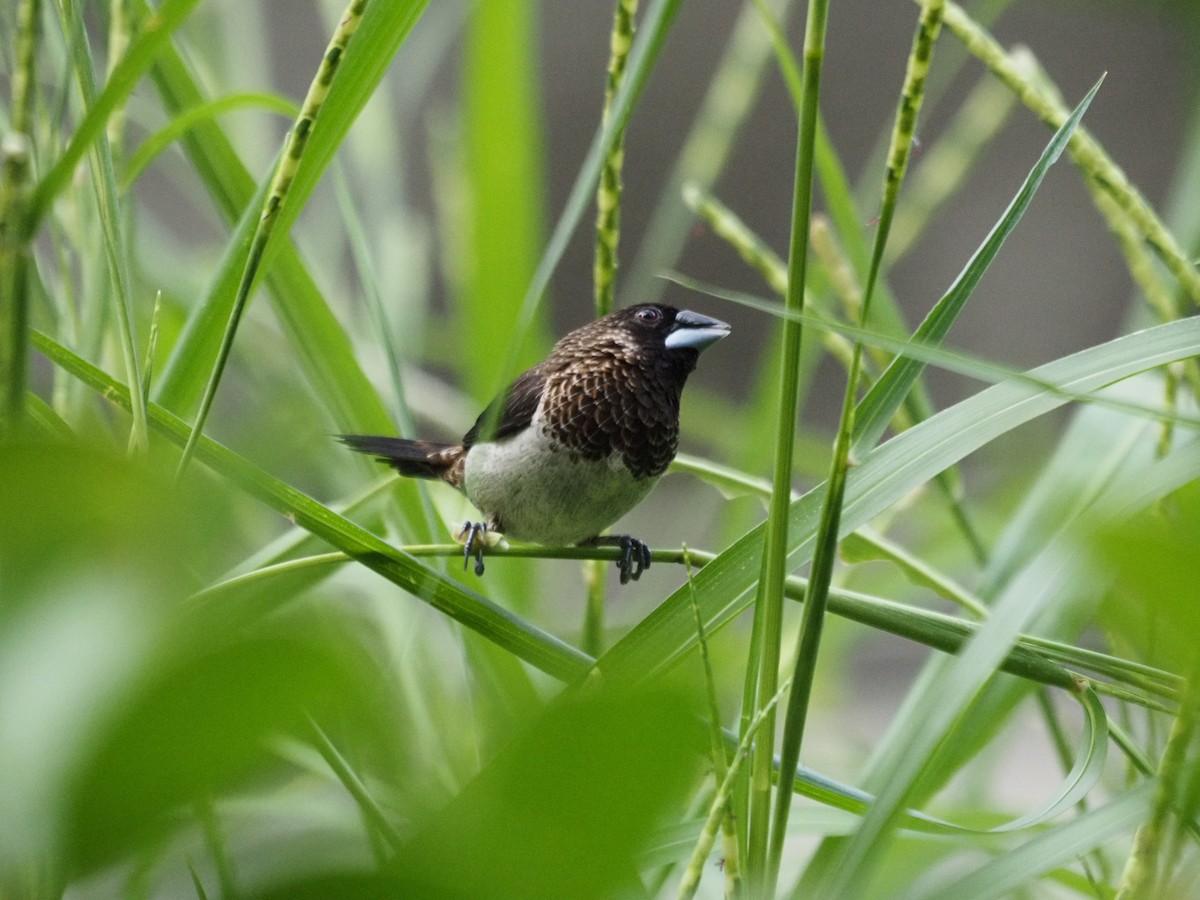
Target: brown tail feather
<point>416,459</point>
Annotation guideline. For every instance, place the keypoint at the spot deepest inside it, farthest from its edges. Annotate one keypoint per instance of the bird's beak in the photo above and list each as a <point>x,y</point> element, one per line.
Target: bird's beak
<point>695,331</point>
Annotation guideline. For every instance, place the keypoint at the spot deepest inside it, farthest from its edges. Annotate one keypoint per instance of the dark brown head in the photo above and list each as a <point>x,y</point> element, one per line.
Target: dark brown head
<point>651,333</point>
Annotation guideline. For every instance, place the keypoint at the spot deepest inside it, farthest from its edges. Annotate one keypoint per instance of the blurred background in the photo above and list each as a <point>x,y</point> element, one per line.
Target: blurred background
<point>400,213</point>
<point>1058,286</point>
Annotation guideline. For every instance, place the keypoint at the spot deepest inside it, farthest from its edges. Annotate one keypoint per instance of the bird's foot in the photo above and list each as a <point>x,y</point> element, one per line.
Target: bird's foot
<point>634,558</point>
<point>474,536</point>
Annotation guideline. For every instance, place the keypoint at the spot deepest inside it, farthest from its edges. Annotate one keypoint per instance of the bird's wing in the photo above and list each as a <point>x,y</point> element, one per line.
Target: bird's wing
<point>511,411</point>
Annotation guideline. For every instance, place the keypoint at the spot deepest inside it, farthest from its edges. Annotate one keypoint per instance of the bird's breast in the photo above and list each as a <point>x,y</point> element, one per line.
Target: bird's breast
<point>537,488</point>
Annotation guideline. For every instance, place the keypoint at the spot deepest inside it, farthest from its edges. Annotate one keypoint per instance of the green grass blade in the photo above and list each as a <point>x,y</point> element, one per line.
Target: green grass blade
<point>15,283</point>
<point>1008,874</point>
<point>473,610</point>
<point>154,36</point>
<point>504,194</point>
<point>885,476</point>
<point>888,393</point>
<point>154,145</point>
<point>762,868</point>
<point>1059,569</point>
<point>316,335</point>
<point>16,233</point>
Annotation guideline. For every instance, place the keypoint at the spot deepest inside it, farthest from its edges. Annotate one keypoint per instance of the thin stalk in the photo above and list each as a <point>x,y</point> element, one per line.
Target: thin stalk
<point>1144,875</point>
<point>591,638</point>
<point>604,270</point>
<point>817,597</point>
<point>15,231</point>
<point>608,194</point>
<point>14,281</point>
<point>120,27</point>
<point>769,602</point>
<point>371,811</point>
<point>717,810</point>
<point>285,172</point>
<point>732,861</point>
<point>112,221</point>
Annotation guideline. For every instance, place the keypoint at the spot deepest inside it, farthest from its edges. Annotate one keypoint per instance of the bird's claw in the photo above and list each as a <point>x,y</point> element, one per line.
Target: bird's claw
<point>634,558</point>
<point>473,536</point>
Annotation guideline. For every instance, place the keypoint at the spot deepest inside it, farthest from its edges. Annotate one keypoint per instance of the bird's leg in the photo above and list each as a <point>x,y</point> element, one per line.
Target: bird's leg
<point>634,558</point>
<point>474,536</point>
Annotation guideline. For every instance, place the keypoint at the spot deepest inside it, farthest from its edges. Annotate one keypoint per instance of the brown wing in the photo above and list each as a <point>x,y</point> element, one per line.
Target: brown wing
<point>511,411</point>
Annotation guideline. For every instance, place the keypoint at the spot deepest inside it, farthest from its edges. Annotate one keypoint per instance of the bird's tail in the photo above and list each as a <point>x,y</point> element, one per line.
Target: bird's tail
<point>417,459</point>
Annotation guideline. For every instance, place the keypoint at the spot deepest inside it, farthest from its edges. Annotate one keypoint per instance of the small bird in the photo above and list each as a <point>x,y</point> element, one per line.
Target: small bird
<point>575,442</point>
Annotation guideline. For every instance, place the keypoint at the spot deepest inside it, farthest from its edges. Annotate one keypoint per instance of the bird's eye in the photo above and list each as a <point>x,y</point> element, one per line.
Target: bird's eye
<point>648,316</point>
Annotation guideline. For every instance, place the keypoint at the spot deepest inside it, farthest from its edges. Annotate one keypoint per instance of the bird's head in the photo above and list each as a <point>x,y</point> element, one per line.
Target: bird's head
<point>658,328</point>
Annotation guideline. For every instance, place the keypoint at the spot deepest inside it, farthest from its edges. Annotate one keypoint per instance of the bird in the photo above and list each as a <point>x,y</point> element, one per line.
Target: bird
<point>575,442</point>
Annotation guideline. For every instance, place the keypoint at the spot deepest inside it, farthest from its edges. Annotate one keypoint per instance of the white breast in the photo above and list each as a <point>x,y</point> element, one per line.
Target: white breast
<point>543,493</point>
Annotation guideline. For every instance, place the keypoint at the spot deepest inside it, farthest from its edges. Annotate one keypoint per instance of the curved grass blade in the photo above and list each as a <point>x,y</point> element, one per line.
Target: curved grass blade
<point>886,475</point>
<point>1059,570</point>
<point>277,211</point>
<point>153,146</point>
<point>522,639</point>
<point>503,170</point>
<point>1084,774</point>
<point>876,409</point>
<point>1007,874</point>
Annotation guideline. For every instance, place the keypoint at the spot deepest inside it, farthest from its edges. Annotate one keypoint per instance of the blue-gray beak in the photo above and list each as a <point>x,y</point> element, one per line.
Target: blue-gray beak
<point>694,330</point>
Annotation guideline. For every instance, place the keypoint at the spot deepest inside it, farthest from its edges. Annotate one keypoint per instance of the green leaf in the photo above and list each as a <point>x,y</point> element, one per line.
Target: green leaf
<point>505,194</point>
<point>197,724</point>
<point>1009,873</point>
<point>886,475</point>
<point>316,335</point>
<point>876,409</point>
<point>153,37</point>
<point>472,609</point>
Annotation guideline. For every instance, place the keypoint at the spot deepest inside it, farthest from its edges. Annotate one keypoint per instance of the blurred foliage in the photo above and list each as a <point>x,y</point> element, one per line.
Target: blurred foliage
<point>1155,557</point>
<point>271,676</point>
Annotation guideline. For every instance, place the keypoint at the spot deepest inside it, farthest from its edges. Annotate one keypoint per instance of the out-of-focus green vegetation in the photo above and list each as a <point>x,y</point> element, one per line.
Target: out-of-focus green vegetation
<point>259,669</point>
